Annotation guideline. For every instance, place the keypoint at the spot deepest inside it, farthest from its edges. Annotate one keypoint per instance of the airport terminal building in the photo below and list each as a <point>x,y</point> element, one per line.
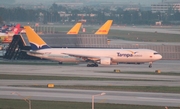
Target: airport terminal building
<point>165,5</point>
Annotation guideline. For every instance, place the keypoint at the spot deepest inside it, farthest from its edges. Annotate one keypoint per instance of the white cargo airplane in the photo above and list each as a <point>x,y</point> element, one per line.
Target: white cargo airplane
<point>94,56</point>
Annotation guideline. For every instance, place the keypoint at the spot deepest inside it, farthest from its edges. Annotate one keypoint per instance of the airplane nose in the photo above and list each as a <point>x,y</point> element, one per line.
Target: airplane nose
<point>160,57</point>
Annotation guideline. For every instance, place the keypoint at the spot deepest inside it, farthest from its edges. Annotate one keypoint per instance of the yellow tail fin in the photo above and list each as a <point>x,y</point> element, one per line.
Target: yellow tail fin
<point>34,39</point>
<point>75,29</point>
<point>104,29</point>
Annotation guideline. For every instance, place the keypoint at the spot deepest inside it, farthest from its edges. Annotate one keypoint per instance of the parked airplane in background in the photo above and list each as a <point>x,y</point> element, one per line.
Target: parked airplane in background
<point>9,28</point>
<point>75,29</point>
<point>104,29</point>
<point>94,56</point>
<point>10,32</point>
<point>5,29</point>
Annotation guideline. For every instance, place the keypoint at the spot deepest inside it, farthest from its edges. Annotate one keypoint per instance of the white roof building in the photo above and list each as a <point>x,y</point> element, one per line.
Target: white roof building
<point>165,5</point>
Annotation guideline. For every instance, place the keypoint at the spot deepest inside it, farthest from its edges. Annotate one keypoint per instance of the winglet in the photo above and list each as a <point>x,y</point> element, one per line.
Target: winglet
<point>104,29</point>
<point>34,39</point>
<point>75,29</point>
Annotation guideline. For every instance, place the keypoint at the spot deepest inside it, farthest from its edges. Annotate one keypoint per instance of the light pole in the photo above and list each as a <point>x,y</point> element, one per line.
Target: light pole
<point>122,18</point>
<point>93,98</point>
<point>158,18</point>
<point>131,18</point>
<point>25,99</point>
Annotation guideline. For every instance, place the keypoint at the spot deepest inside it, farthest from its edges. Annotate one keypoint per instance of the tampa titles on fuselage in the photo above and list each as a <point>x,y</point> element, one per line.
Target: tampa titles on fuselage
<point>132,54</point>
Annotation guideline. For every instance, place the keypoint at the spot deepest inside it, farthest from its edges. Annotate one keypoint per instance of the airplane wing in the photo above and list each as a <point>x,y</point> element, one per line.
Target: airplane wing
<point>85,57</point>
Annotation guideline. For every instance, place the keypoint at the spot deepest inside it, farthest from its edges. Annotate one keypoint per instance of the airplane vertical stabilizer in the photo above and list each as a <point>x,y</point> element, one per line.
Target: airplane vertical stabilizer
<point>16,30</point>
<point>34,39</point>
<point>104,29</point>
<point>75,29</point>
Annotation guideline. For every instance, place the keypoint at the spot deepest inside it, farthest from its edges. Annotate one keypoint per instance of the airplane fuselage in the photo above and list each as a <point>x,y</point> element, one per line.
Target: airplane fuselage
<point>115,55</point>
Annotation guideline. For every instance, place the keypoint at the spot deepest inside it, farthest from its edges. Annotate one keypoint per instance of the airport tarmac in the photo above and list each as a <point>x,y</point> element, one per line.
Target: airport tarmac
<point>87,83</point>
<point>114,97</point>
<point>119,97</point>
<point>102,71</point>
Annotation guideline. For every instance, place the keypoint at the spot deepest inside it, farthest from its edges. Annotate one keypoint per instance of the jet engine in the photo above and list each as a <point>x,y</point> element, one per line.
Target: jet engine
<point>105,61</point>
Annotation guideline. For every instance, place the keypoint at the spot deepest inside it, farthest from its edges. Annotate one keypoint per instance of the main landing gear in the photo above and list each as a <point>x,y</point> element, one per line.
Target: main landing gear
<point>92,65</point>
<point>60,62</point>
<point>150,64</point>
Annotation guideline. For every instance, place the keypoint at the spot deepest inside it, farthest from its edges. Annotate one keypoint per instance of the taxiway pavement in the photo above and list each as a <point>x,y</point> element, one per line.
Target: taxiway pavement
<point>87,83</point>
<point>119,97</point>
<point>115,97</point>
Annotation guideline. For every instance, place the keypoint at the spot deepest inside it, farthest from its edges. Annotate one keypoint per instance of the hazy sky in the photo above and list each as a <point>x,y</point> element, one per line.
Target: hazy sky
<point>147,2</point>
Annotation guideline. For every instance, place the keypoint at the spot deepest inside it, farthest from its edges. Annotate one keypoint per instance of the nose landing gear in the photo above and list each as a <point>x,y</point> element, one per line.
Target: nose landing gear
<point>150,64</point>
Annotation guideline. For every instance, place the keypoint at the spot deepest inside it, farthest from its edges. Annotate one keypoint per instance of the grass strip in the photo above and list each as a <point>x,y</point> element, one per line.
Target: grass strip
<point>36,104</point>
<point>143,36</point>
<point>36,77</point>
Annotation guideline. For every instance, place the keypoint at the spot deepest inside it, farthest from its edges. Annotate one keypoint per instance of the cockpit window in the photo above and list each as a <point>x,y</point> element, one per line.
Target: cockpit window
<point>156,53</point>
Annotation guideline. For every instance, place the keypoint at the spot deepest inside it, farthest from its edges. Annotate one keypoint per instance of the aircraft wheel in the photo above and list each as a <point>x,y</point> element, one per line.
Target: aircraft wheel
<point>150,64</point>
<point>95,65</point>
<point>60,63</point>
<point>92,65</point>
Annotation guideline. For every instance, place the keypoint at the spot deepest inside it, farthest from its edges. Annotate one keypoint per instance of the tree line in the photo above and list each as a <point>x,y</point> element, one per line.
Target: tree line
<point>119,16</point>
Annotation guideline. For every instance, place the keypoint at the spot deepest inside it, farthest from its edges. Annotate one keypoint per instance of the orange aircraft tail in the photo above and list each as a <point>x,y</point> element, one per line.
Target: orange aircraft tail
<point>104,29</point>
<point>75,29</point>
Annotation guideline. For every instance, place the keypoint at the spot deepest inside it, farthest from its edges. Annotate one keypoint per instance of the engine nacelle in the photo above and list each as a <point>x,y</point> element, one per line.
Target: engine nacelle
<point>105,61</point>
